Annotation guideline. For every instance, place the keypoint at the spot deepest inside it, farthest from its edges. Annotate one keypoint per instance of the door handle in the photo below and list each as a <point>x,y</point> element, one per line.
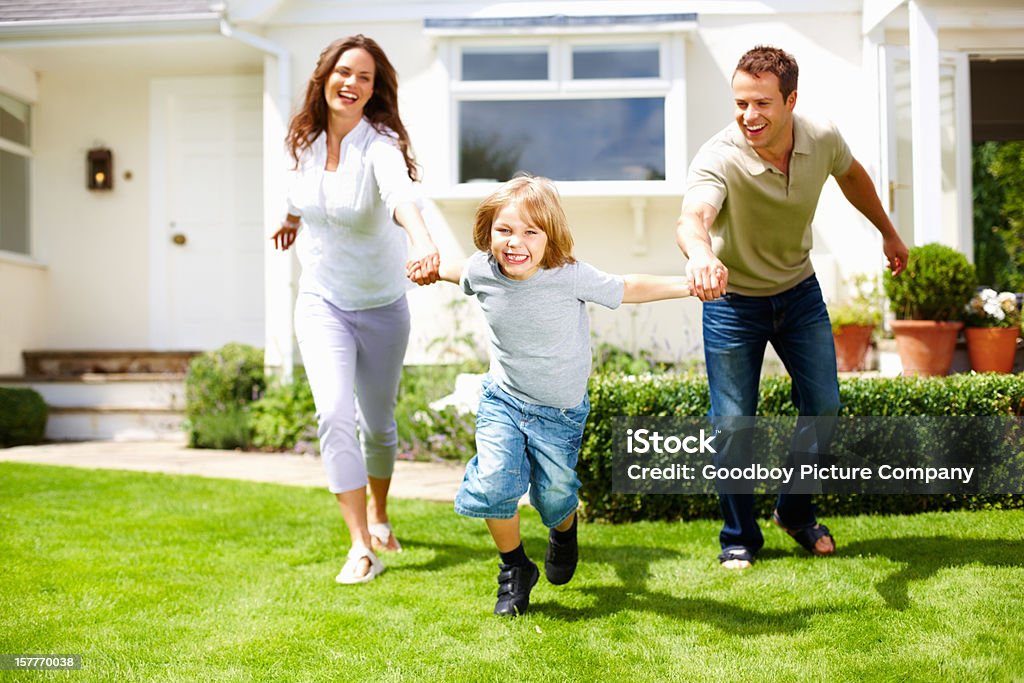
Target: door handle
<point>179,239</point>
<point>893,186</point>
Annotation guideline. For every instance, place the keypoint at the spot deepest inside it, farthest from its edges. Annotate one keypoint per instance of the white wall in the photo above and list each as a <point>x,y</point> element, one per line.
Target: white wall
<point>94,243</point>
<point>23,280</point>
<point>23,312</point>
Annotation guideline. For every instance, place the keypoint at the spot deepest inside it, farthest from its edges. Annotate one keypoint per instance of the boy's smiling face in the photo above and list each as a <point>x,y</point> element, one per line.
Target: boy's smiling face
<point>517,245</point>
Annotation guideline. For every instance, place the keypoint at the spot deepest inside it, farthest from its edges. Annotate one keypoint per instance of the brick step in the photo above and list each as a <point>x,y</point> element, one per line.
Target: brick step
<point>70,363</point>
<point>123,395</point>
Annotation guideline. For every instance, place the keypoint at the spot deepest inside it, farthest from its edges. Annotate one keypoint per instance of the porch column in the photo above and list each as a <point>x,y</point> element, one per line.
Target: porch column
<point>279,269</point>
<point>924,113</point>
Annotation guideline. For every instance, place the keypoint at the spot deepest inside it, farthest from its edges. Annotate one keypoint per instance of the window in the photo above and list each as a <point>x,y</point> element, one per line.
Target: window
<point>573,108</point>
<point>14,174</point>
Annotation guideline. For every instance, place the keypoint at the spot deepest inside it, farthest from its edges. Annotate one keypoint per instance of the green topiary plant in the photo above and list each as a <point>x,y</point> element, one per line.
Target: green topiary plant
<point>937,283</point>
<point>22,417</point>
<point>219,387</point>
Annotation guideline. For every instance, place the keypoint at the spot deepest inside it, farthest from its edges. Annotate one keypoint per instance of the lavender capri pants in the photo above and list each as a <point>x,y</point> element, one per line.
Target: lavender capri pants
<point>353,360</point>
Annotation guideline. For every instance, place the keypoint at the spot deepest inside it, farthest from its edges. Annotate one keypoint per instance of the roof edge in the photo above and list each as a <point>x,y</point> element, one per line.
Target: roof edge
<point>112,25</point>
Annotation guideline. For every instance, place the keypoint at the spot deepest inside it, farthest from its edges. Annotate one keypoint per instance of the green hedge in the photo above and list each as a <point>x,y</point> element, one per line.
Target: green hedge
<point>22,417</point>
<point>675,395</point>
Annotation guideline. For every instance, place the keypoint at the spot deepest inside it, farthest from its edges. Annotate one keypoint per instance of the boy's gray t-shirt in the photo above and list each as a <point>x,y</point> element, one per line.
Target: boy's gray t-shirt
<point>540,330</point>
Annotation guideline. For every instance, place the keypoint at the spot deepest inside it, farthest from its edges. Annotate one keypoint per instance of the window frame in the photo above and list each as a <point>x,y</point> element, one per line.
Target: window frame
<point>24,151</point>
<point>670,86</point>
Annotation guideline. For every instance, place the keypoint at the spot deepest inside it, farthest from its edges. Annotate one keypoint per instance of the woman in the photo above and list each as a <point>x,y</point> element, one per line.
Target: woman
<point>350,185</point>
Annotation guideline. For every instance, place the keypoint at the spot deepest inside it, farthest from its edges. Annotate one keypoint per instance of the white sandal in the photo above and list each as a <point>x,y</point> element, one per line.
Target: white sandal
<point>380,535</point>
<point>348,575</point>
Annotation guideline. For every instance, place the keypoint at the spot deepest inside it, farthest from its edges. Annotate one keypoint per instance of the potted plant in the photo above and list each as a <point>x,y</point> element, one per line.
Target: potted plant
<point>993,323</point>
<point>854,321</point>
<point>927,300</point>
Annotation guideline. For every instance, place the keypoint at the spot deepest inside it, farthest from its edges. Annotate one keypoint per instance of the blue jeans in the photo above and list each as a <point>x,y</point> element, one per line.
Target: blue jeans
<point>522,446</point>
<point>737,329</point>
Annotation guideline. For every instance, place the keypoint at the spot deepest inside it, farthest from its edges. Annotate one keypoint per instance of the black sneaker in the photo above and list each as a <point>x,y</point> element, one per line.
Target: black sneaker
<point>561,558</point>
<point>514,585</point>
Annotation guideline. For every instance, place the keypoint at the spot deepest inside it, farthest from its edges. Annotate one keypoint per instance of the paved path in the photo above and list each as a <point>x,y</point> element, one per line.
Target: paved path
<point>428,481</point>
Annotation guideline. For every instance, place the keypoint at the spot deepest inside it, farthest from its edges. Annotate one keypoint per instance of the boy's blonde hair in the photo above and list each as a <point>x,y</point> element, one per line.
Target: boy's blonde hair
<point>539,205</point>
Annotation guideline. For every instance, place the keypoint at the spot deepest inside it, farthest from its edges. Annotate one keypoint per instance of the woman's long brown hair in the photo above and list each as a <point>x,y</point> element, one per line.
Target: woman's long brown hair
<point>381,109</point>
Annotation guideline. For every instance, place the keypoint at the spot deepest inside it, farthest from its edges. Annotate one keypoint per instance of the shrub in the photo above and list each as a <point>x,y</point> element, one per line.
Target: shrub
<point>1007,167</point>
<point>611,359</point>
<point>284,419</point>
<point>936,284</point>
<point>219,388</point>
<point>863,305</point>
<point>687,395</point>
<point>425,433</point>
<point>992,230</point>
<point>22,417</point>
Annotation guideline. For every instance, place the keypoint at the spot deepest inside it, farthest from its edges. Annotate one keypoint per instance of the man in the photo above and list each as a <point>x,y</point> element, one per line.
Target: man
<point>745,228</point>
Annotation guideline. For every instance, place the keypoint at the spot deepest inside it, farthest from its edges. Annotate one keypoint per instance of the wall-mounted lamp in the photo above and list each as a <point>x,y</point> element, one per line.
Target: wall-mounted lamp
<point>101,169</point>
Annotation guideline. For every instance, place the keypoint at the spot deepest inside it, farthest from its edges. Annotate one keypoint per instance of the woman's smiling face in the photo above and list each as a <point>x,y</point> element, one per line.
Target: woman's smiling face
<point>350,85</point>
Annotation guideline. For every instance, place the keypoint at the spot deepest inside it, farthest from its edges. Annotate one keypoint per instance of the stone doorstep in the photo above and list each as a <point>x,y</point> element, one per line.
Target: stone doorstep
<point>890,366</point>
<point>128,392</point>
<point>103,423</point>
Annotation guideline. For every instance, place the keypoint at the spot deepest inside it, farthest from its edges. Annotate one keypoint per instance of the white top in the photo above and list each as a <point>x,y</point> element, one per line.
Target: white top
<point>352,252</point>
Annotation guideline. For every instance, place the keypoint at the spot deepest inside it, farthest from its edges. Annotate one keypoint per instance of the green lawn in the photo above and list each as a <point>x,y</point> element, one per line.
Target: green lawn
<point>164,578</point>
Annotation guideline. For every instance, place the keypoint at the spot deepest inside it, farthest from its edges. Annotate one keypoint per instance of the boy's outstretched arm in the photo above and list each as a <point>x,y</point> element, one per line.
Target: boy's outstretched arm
<point>449,271</point>
<point>643,288</point>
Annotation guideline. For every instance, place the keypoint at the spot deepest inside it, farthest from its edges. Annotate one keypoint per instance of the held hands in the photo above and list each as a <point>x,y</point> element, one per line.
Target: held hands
<point>895,253</point>
<point>708,276</point>
<point>423,264</point>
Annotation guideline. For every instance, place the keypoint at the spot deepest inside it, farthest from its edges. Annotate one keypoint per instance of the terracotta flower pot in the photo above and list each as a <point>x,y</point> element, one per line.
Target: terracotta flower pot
<point>926,346</point>
<point>852,343</point>
<point>991,349</point>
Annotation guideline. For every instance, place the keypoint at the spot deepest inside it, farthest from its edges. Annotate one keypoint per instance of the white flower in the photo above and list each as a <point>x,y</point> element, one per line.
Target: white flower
<point>994,310</point>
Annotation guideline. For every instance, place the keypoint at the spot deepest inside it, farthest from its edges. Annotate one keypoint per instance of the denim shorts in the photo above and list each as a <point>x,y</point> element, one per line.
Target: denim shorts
<point>522,446</point>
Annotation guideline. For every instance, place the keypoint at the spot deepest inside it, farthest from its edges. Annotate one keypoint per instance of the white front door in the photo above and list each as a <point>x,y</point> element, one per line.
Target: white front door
<point>206,264</point>
<point>955,130</point>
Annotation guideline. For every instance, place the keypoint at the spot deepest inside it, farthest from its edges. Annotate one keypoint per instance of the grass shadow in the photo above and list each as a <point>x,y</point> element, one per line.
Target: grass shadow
<point>727,617</point>
<point>922,557</point>
<point>632,566</point>
<point>445,555</point>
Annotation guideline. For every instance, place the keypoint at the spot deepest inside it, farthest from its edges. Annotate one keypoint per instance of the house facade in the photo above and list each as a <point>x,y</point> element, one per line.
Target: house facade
<point>181,108</point>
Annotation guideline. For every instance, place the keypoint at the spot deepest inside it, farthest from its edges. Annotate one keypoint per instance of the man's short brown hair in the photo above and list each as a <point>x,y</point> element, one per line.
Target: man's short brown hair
<point>766,59</point>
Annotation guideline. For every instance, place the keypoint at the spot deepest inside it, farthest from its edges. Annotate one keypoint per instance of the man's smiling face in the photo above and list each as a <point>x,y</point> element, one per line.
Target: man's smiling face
<point>764,117</point>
